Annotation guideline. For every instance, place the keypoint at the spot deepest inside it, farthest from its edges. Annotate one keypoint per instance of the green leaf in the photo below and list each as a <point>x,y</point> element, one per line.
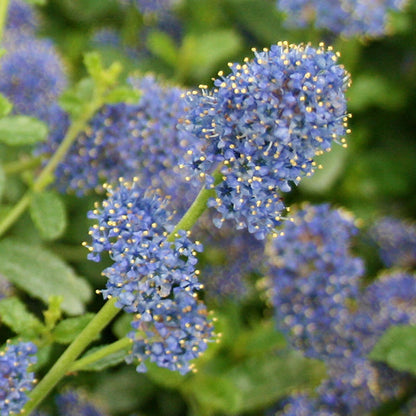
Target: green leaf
<point>5,106</point>
<point>103,77</point>
<point>122,95</point>
<point>22,130</point>
<point>262,380</point>
<point>73,100</point>
<point>200,55</point>
<point>215,392</point>
<point>67,330</point>
<point>43,274</point>
<point>163,46</point>
<point>48,214</point>
<point>14,314</point>
<point>93,64</point>
<point>397,348</point>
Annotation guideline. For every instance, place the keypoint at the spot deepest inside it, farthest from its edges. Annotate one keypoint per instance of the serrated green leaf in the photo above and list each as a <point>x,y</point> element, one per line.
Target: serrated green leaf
<point>43,274</point>
<point>5,106</point>
<point>14,314</point>
<point>123,95</point>
<point>48,214</point>
<point>22,130</point>
<point>67,330</point>
<point>163,46</point>
<point>397,348</point>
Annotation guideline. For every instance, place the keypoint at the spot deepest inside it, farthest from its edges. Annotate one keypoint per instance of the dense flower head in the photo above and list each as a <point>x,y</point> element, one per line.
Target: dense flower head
<point>180,332</point>
<point>153,277</point>
<point>396,240</point>
<point>21,16</point>
<point>262,125</point>
<point>72,403</point>
<point>16,379</point>
<point>32,74</point>
<point>313,277</point>
<point>346,17</point>
<point>125,140</point>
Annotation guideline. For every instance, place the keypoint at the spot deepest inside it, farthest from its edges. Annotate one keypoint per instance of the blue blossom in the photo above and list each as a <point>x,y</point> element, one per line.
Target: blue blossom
<point>16,380</point>
<point>21,16</point>
<point>151,277</point>
<point>262,125</point>
<point>396,240</point>
<point>346,17</point>
<point>125,140</point>
<point>32,74</point>
<point>72,403</point>
<point>313,277</point>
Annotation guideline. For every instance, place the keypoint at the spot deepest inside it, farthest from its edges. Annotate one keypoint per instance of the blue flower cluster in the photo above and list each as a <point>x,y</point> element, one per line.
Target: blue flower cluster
<point>71,403</point>
<point>262,125</point>
<point>396,240</point>
<point>151,276</point>
<point>314,275</point>
<point>21,16</point>
<point>16,379</point>
<point>32,74</point>
<point>346,17</point>
<point>319,305</point>
<point>124,140</point>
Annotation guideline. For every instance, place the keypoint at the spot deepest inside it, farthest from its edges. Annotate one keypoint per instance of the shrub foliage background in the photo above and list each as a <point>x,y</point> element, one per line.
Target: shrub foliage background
<point>252,370</point>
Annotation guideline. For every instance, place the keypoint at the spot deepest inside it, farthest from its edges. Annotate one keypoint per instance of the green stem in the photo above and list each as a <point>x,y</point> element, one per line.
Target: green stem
<point>61,367</point>
<point>4,4</point>
<point>44,178</point>
<point>22,165</point>
<point>14,214</point>
<point>103,352</point>
<point>196,209</point>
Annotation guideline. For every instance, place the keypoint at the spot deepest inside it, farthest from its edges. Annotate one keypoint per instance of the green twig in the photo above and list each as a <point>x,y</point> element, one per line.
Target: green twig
<point>103,352</point>
<point>21,165</point>
<point>61,367</point>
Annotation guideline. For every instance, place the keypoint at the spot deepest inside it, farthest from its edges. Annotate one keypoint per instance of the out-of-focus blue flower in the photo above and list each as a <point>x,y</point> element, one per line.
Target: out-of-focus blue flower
<point>396,240</point>
<point>16,379</point>
<point>151,277</point>
<point>32,74</point>
<point>126,140</point>
<point>229,258</point>
<point>21,16</point>
<point>319,306</point>
<point>313,276</point>
<point>72,403</point>
<point>346,17</point>
<point>262,125</point>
